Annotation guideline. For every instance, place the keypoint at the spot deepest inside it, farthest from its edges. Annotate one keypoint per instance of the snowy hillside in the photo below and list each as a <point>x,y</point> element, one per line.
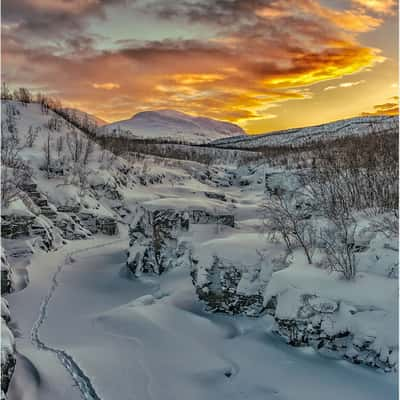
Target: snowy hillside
<point>173,125</point>
<point>83,115</point>
<point>339,129</point>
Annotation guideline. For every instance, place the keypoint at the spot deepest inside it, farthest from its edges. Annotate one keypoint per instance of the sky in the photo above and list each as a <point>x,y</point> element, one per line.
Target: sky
<point>262,64</point>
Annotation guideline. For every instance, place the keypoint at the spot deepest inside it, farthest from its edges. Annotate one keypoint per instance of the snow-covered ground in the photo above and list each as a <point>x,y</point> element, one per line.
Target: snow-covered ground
<point>87,328</point>
<point>149,338</point>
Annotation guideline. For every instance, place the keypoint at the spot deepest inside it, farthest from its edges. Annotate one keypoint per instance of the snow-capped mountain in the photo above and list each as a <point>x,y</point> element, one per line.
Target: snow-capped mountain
<point>333,130</point>
<point>174,125</point>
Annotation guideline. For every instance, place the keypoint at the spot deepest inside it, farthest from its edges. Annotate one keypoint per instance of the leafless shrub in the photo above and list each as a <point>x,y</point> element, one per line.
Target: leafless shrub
<point>338,245</point>
<point>293,223</point>
<point>47,155</point>
<point>59,146</point>
<point>31,136</point>
<point>388,225</point>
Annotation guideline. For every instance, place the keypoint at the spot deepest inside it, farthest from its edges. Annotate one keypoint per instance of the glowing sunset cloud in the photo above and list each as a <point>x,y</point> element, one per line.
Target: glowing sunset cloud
<point>265,64</point>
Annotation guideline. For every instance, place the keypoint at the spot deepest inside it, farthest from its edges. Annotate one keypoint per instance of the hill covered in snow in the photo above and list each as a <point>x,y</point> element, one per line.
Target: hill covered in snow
<point>82,115</point>
<point>298,136</point>
<point>173,125</point>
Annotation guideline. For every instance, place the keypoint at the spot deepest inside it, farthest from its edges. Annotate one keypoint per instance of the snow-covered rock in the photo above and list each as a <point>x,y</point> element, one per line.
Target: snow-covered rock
<point>7,349</point>
<point>354,320</point>
<point>231,273</point>
<point>154,240</point>
<point>6,274</point>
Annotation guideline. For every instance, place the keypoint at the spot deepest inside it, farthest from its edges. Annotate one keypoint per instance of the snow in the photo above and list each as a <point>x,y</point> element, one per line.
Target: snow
<point>240,248</point>
<point>17,207</point>
<point>87,324</point>
<point>173,125</point>
<point>151,339</point>
<point>355,126</point>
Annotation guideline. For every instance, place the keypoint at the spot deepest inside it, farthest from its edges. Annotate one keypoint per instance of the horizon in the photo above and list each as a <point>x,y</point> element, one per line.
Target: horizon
<point>247,133</point>
<point>265,65</point>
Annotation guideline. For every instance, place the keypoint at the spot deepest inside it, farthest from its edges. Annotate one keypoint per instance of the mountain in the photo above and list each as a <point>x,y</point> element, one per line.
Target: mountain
<point>298,136</point>
<point>173,125</point>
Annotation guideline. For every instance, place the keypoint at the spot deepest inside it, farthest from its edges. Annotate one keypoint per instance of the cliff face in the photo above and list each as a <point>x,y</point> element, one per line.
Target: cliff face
<point>154,240</point>
<point>7,338</point>
<point>156,236</point>
<point>230,273</point>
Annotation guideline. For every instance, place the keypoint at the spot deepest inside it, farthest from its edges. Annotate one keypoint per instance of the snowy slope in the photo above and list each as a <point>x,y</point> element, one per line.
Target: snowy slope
<point>338,129</point>
<point>174,125</point>
<point>82,115</point>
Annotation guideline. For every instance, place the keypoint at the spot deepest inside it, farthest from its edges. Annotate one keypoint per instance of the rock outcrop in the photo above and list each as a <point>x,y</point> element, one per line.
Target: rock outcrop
<point>154,240</point>
<point>8,359</point>
<point>334,328</point>
<point>231,276</point>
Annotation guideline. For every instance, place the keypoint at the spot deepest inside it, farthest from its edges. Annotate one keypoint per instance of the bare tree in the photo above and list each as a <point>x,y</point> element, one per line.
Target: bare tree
<point>12,181</point>
<point>284,216</point>
<point>59,146</point>
<point>14,172</point>
<point>31,136</point>
<point>338,245</point>
<point>47,155</point>
<point>88,150</point>
<point>388,225</point>
<point>23,95</point>
<point>5,92</point>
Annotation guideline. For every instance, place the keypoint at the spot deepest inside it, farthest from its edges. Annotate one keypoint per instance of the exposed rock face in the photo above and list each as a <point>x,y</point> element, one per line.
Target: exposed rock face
<point>154,240</point>
<point>203,217</point>
<point>215,195</point>
<point>70,227</point>
<point>222,290</point>
<point>6,274</point>
<point>14,226</point>
<point>95,223</point>
<point>155,237</point>
<point>8,359</point>
<point>330,327</point>
<point>231,276</point>
<point>7,338</point>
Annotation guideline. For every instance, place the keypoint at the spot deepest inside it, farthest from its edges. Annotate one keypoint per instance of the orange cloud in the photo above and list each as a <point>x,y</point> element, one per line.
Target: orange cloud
<point>265,56</point>
<point>106,86</point>
<point>379,6</point>
<point>389,108</point>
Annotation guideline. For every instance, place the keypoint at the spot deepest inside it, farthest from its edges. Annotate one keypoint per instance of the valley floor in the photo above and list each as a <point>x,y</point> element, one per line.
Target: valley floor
<point>87,328</point>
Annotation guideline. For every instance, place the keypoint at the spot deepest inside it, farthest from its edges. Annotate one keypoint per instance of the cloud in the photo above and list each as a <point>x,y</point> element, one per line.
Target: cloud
<point>389,108</point>
<point>106,86</point>
<point>378,6</point>
<point>345,85</point>
<point>263,52</point>
<point>53,18</point>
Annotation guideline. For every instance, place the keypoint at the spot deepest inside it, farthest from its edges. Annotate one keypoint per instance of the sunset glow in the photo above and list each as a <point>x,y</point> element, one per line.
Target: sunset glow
<point>264,64</point>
